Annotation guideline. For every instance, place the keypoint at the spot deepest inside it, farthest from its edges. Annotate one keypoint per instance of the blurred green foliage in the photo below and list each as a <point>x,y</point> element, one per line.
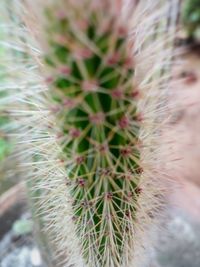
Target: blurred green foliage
<point>5,145</point>
<point>191,17</point>
<point>9,175</point>
<point>22,227</point>
<point>4,148</point>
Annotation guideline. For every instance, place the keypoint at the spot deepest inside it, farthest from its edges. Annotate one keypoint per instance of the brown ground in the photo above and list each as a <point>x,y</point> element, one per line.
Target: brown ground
<point>185,133</point>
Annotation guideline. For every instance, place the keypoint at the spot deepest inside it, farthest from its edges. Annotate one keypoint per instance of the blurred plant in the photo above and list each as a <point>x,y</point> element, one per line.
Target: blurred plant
<point>191,17</point>
<point>4,143</point>
<point>89,135</point>
<point>4,147</point>
<point>22,227</point>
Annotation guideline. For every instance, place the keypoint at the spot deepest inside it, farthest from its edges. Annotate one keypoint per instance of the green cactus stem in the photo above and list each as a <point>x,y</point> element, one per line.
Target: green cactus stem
<point>87,131</point>
<point>95,99</point>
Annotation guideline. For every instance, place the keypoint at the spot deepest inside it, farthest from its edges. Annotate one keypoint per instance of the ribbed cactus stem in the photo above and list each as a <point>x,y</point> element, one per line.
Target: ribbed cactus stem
<point>90,126</point>
<point>95,101</point>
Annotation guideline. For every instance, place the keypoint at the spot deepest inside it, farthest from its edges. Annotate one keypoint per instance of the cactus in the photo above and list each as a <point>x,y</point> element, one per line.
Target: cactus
<point>90,128</point>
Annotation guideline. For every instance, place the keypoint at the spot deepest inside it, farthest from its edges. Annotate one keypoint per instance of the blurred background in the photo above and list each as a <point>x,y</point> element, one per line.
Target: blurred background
<point>181,246</point>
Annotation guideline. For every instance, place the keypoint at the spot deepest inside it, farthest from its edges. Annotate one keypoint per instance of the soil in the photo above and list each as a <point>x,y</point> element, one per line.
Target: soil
<point>181,246</point>
<point>184,157</point>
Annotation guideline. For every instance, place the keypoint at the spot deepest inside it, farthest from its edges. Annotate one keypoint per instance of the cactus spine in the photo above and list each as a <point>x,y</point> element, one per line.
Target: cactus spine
<point>85,129</point>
